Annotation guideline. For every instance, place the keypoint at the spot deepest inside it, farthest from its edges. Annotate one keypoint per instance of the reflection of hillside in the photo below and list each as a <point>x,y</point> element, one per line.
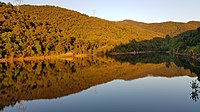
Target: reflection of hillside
<point>45,80</point>
<point>156,58</point>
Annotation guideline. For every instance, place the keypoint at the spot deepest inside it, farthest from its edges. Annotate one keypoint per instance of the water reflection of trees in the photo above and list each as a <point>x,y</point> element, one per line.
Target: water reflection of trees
<point>29,79</point>
<point>21,71</point>
<point>195,90</point>
<point>21,107</point>
<point>157,58</point>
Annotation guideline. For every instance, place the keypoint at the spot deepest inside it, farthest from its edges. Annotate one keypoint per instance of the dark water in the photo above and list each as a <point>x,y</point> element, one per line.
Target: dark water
<point>123,83</point>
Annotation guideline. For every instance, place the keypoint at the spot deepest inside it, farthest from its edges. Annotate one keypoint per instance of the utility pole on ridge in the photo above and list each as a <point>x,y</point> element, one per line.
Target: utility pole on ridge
<point>17,3</point>
<point>94,11</point>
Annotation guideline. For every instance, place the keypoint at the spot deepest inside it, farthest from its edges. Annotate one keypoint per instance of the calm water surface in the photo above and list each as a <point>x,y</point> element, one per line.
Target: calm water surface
<point>139,83</point>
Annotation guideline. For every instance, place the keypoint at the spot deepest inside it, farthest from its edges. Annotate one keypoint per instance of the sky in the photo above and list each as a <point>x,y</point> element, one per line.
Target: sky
<point>138,10</point>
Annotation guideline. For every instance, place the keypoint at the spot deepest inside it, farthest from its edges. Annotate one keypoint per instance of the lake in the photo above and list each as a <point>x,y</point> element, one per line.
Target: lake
<point>122,83</point>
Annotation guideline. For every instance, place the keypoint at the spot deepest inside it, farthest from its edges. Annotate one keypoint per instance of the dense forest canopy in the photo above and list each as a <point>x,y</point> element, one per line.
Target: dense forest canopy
<point>186,42</point>
<point>32,31</point>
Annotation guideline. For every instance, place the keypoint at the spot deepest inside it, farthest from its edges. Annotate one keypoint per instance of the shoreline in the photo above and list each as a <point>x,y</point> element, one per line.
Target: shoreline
<point>71,56</point>
<point>135,52</point>
<point>188,55</point>
<point>66,56</point>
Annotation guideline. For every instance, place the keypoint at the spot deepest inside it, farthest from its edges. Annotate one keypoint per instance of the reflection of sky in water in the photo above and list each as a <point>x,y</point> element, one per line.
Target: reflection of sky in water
<point>150,94</point>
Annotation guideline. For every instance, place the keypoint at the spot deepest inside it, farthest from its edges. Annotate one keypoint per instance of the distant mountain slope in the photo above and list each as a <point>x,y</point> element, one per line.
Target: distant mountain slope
<point>166,28</point>
<point>95,29</point>
<point>92,28</point>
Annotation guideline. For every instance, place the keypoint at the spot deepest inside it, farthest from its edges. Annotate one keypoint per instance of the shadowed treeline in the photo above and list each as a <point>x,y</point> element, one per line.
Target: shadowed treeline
<point>186,43</point>
<point>40,79</point>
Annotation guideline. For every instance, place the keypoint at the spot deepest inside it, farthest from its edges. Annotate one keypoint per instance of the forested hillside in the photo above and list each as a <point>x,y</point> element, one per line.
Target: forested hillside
<point>23,35</point>
<point>49,30</point>
<point>86,27</point>
<point>34,31</point>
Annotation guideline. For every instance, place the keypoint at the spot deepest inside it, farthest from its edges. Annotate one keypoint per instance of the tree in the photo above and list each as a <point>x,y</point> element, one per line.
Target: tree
<point>198,29</point>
